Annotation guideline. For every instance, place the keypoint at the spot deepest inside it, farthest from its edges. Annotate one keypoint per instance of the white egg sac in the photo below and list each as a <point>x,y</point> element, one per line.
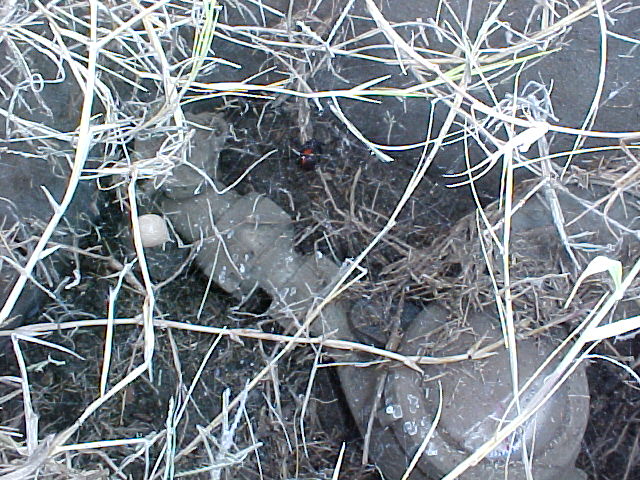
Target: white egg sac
<point>153,230</point>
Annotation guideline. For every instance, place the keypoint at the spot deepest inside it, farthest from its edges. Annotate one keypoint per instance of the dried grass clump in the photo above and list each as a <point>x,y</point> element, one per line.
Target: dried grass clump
<point>556,230</point>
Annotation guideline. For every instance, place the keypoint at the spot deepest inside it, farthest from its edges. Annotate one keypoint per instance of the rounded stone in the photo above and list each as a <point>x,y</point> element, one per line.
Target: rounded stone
<point>477,400</point>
